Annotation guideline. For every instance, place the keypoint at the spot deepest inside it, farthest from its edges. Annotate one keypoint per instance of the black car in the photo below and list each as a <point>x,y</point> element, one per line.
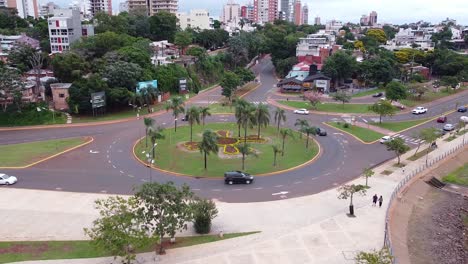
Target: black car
<point>377,94</point>
<point>185,118</point>
<point>462,109</point>
<point>231,177</point>
<point>321,132</point>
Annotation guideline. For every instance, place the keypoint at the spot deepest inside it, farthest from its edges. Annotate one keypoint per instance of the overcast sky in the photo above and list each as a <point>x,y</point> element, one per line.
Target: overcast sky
<point>391,11</point>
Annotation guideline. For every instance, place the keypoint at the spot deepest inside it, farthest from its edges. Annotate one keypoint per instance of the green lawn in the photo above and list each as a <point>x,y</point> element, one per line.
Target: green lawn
<point>29,116</point>
<point>17,155</point>
<point>364,134</point>
<point>421,153</point>
<point>399,126</point>
<point>412,101</point>
<point>170,155</point>
<point>219,108</point>
<point>367,93</point>
<point>458,176</point>
<point>331,107</point>
<point>47,250</point>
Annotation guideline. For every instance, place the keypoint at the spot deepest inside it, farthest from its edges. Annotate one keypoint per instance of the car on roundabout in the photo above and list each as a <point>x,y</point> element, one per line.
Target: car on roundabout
<point>6,179</point>
<point>385,139</point>
<point>321,132</point>
<point>231,177</point>
<point>419,110</point>
<point>301,111</point>
<point>462,109</point>
<point>377,94</point>
<point>449,127</point>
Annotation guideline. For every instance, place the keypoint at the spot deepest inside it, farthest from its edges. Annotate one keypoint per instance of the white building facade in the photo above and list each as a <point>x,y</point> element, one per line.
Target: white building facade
<point>197,18</point>
<point>64,29</point>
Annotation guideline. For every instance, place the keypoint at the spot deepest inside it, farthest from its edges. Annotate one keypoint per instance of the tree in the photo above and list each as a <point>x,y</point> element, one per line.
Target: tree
<point>340,66</point>
<point>148,96</point>
<point>36,60</point>
<point>302,124</point>
<point>262,116</point>
<point>164,208</point>
<point>348,191</point>
<point>204,211</point>
<point>396,91</point>
<point>240,106</point>
<point>119,229</point>
<point>314,98</point>
<point>193,116</point>
<point>204,112</point>
<point>309,131</point>
<point>176,104</point>
<point>382,256</point>
<point>149,123</point>
<point>248,118</point>
<point>9,83</point>
<point>276,151</point>
<point>245,150</point>
<point>280,115</point>
<point>383,108</point>
<point>398,146</point>
<point>68,67</point>
<point>367,172</point>
<point>163,26</point>
<point>449,81</point>
<point>341,97</point>
<point>208,144</point>
<point>123,74</point>
<point>378,34</point>
<point>419,90</point>
<point>285,132</point>
<point>183,39</point>
<point>19,57</point>
<point>155,134</point>
<point>429,135</point>
<point>230,82</point>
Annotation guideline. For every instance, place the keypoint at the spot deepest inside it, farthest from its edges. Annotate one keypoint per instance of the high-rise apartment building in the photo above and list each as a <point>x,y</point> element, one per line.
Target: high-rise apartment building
<point>152,7</point>
<point>265,10</point>
<point>25,8</point>
<point>123,6</point>
<point>286,9</point>
<point>317,20</point>
<point>373,18</point>
<point>100,6</point>
<point>297,12</point>
<point>47,9</point>
<point>231,13</point>
<point>305,15</point>
<point>197,18</point>
<point>364,21</point>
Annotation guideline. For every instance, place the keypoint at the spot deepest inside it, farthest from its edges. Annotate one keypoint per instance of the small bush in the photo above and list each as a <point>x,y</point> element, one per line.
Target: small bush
<point>346,125</point>
<point>338,123</point>
<point>204,211</point>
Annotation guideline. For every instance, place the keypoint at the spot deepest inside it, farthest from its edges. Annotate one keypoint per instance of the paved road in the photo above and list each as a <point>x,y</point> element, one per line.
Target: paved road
<point>114,170</point>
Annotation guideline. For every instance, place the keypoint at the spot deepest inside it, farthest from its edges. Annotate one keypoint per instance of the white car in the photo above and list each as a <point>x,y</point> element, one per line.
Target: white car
<point>301,111</point>
<point>419,110</point>
<point>449,127</point>
<point>464,119</point>
<point>7,179</point>
<point>385,139</point>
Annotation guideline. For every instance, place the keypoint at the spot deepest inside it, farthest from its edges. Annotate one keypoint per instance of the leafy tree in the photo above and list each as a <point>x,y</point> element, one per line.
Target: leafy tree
<point>398,146</point>
<point>248,118</point>
<point>378,34</point>
<point>239,51</point>
<point>20,55</point>
<point>204,112</point>
<point>245,75</point>
<point>276,151</point>
<point>240,106</point>
<point>164,208</point>
<point>183,39</point>
<point>367,172</point>
<point>396,91</point>
<point>123,74</point>
<point>216,24</point>
<point>148,96</point>
<point>283,66</point>
<point>302,124</point>
<point>262,116</point>
<point>118,230</point>
<point>245,150</point>
<point>198,52</point>
<point>230,82</point>
<point>149,123</point>
<point>429,135</point>
<point>314,98</point>
<point>193,116</point>
<point>341,97</point>
<point>208,144</point>
<point>176,104</point>
<point>204,212</point>
<point>285,132</point>
<point>155,134</point>
<point>136,54</point>
<point>280,115</point>
<point>68,67</point>
<point>96,46</point>
<point>340,66</point>
<point>348,191</point>
<point>80,93</point>
<point>419,90</point>
<point>9,83</point>
<point>449,81</point>
<point>383,108</point>
<point>309,131</point>
<point>163,26</point>
<point>390,31</point>
<point>382,256</point>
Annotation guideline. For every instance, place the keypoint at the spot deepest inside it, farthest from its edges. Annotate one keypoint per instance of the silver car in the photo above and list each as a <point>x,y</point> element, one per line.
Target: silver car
<point>449,127</point>
<point>7,179</point>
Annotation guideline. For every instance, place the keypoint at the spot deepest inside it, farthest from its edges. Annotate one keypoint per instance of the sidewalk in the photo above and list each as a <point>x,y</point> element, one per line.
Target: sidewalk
<point>312,229</point>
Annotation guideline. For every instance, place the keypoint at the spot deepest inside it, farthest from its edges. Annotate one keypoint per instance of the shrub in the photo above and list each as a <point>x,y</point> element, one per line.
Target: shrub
<point>346,125</point>
<point>204,211</point>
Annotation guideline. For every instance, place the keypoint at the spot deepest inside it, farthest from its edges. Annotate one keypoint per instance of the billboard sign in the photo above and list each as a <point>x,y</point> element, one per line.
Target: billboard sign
<point>183,85</point>
<point>145,85</point>
<point>98,99</point>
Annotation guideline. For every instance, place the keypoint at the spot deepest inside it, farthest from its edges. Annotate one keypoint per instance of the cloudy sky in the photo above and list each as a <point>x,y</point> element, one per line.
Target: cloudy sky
<point>392,11</point>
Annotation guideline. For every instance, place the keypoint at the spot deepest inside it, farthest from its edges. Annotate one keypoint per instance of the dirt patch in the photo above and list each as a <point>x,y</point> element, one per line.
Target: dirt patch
<point>188,146</point>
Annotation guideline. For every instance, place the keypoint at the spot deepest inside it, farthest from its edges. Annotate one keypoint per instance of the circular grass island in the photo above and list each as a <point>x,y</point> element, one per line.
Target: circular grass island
<point>175,153</point>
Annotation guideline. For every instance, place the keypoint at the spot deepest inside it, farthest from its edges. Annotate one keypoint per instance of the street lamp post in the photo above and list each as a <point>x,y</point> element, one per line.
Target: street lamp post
<point>150,159</point>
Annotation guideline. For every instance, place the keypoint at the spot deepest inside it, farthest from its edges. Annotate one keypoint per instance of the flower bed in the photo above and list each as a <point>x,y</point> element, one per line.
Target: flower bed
<point>192,146</point>
<point>227,141</point>
<point>223,133</point>
<point>230,150</point>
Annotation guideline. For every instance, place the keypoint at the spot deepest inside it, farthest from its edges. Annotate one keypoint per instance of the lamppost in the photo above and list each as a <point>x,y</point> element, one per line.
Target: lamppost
<point>150,159</point>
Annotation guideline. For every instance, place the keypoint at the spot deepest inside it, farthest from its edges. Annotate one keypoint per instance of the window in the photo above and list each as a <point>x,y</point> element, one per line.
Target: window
<point>53,32</point>
<point>62,95</point>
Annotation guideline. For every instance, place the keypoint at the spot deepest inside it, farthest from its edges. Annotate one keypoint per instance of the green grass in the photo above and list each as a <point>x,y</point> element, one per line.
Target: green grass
<point>331,107</point>
<point>219,108</point>
<point>412,101</point>
<point>16,155</point>
<point>367,93</point>
<point>48,250</point>
<point>421,153</point>
<point>364,134</point>
<point>399,126</point>
<point>173,157</point>
<point>387,172</point>
<point>29,116</point>
<point>458,176</point>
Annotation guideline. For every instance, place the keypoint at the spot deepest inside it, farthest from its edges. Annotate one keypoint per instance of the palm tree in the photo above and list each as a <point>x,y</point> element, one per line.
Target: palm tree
<point>135,100</point>
<point>208,143</point>
<point>148,95</point>
<point>263,117</point>
<point>280,114</point>
<point>246,150</point>
<point>248,119</point>
<point>175,104</point>
<point>276,150</point>
<point>204,112</point>
<point>285,132</point>
<point>309,131</point>
<point>239,109</point>
<point>193,116</point>
<point>302,123</point>
<point>155,134</point>
<point>149,122</point>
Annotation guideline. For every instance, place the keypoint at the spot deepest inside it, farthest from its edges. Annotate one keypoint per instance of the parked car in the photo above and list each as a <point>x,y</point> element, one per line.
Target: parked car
<point>464,119</point>
<point>321,132</point>
<point>185,118</point>
<point>231,177</point>
<point>462,109</point>
<point>449,127</point>
<point>441,119</point>
<point>385,139</point>
<point>301,111</point>
<point>7,179</point>
<point>377,94</point>
<point>419,110</point>
<point>383,99</point>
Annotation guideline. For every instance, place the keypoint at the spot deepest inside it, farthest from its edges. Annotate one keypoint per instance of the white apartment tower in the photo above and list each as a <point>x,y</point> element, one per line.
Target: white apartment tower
<point>265,10</point>
<point>100,6</point>
<point>64,29</point>
<point>25,7</point>
<point>156,6</point>
<point>197,18</point>
<point>231,13</point>
<point>305,14</point>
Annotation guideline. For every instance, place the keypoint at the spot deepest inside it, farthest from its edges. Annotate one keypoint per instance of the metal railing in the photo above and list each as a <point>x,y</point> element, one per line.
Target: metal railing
<point>403,182</point>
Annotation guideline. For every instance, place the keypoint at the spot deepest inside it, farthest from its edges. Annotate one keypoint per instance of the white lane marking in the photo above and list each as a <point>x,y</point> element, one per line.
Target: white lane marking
<point>297,182</point>
<point>216,190</point>
<point>280,193</point>
<point>114,142</point>
<point>58,189</point>
<point>196,189</point>
<point>411,142</point>
<point>131,176</point>
<point>338,134</point>
<point>103,191</point>
<point>328,173</point>
<point>110,146</point>
<point>279,186</point>
<point>109,161</point>
<point>122,172</point>
<point>107,156</point>
<point>238,189</point>
<point>113,166</point>
<point>143,180</point>
<point>314,178</point>
<point>93,151</point>
<point>258,188</point>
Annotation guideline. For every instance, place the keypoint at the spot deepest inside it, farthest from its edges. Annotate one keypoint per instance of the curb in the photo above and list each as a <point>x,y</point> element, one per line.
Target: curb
<point>362,141</point>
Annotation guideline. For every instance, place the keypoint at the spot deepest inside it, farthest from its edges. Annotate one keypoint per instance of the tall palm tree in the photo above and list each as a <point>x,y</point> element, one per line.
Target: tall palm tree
<point>302,123</point>
<point>285,132</point>
<point>280,114</point>
<point>208,144</point>
<point>309,131</point>
<point>248,119</point>
<point>204,112</point>
<point>149,123</point>
<point>148,96</point>
<point>240,105</point>
<point>155,134</point>
<point>263,117</point>
<point>276,150</point>
<point>175,104</point>
<point>246,150</point>
<point>193,116</point>
<point>135,99</point>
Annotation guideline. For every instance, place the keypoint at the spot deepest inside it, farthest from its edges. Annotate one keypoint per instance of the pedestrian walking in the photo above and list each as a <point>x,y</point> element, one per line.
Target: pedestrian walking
<point>380,201</point>
<point>374,200</point>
